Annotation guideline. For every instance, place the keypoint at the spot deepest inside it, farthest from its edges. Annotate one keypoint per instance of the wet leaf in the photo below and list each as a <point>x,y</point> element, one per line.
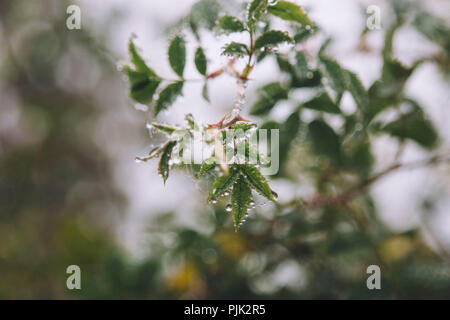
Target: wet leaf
<point>177,55</point>
<point>241,197</point>
<point>168,96</point>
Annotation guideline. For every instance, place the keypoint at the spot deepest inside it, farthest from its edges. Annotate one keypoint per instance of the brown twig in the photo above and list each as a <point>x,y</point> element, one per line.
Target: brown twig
<point>348,194</point>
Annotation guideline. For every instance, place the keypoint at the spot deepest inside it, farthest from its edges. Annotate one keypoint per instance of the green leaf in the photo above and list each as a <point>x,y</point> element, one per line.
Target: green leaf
<point>272,39</point>
<point>269,95</point>
<point>289,130</point>
<point>177,55</point>
<point>231,24</point>
<point>139,63</point>
<point>358,153</point>
<point>357,90</point>
<point>200,61</point>
<point>168,96</point>
<point>413,125</point>
<point>434,28</point>
<point>223,183</point>
<point>191,122</point>
<point>241,197</point>
<point>322,102</point>
<point>301,67</point>
<point>291,12</point>
<point>304,33</point>
<point>153,153</point>
<point>324,141</point>
<point>301,75</point>
<point>235,49</point>
<point>164,127</point>
<point>388,90</point>
<point>256,12</point>
<point>142,87</point>
<point>257,181</point>
<point>205,93</point>
<point>204,14</point>
<point>312,79</point>
<point>163,167</point>
<point>143,80</point>
<point>243,126</point>
<point>207,166</point>
<point>335,74</point>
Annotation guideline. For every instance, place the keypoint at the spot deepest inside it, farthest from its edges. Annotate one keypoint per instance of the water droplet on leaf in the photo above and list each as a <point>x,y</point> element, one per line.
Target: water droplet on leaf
<point>275,195</point>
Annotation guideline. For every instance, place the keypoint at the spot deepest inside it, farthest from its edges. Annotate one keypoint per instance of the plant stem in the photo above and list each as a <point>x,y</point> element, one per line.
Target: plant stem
<point>353,191</point>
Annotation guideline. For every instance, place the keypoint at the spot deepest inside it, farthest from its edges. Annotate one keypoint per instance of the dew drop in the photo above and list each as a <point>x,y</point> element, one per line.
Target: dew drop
<point>308,27</point>
<point>228,208</point>
<point>214,201</point>
<point>275,195</point>
<point>252,204</point>
<point>226,193</point>
<point>120,64</point>
<point>137,160</point>
<point>141,107</point>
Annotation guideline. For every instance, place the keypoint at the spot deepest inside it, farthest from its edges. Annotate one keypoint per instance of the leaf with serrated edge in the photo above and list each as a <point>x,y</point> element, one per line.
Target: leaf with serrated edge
<point>257,181</point>
<point>335,73</point>
<point>256,11</point>
<point>272,39</point>
<point>164,127</point>
<point>322,102</point>
<point>200,61</point>
<point>142,88</point>
<point>207,166</point>
<point>357,90</point>
<point>291,12</point>
<point>235,49</point>
<point>168,96</point>
<point>153,153</point>
<point>269,95</point>
<point>223,183</point>
<point>139,62</point>
<point>163,167</point>
<point>231,24</point>
<point>241,197</point>
<point>177,55</point>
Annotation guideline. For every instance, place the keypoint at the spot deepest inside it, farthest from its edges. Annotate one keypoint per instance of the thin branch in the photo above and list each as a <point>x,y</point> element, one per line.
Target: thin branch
<point>348,194</point>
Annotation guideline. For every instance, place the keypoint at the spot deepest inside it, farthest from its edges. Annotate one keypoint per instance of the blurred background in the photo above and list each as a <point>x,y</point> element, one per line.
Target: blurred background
<point>71,192</point>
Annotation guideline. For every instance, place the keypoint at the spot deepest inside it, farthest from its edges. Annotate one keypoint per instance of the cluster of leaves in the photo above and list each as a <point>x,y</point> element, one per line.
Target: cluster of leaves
<point>349,146</point>
<point>144,83</point>
<point>238,177</point>
<point>344,148</point>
